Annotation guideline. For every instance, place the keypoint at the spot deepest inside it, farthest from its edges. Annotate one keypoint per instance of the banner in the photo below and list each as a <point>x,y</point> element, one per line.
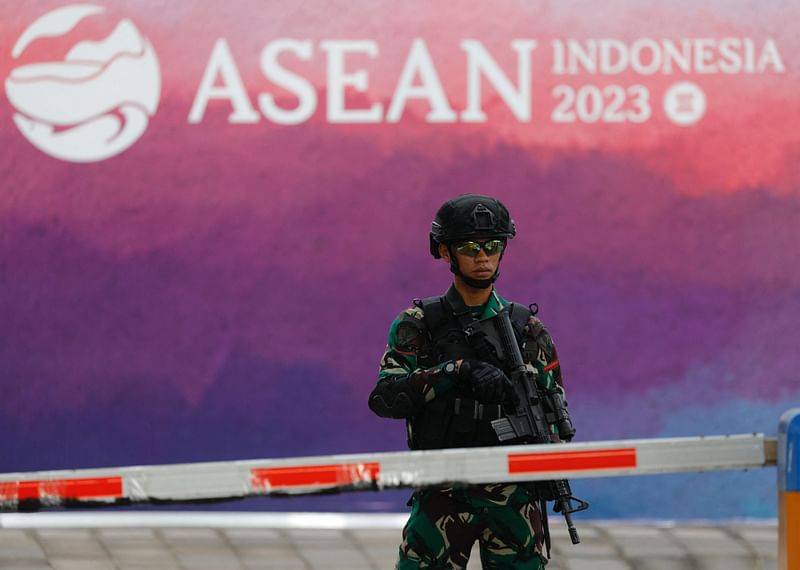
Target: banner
<point>211,214</point>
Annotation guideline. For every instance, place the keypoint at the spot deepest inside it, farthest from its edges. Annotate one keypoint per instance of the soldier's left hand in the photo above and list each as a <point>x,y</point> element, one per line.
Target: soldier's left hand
<point>489,384</point>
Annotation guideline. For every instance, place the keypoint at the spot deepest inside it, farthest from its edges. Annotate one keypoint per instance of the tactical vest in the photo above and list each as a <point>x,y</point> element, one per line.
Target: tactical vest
<point>455,418</point>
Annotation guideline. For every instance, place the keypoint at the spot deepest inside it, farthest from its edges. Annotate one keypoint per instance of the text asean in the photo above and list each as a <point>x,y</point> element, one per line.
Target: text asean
<point>420,80</point>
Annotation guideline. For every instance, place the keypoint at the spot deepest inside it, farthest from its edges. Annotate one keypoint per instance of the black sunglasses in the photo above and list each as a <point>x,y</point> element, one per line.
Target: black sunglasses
<point>473,248</point>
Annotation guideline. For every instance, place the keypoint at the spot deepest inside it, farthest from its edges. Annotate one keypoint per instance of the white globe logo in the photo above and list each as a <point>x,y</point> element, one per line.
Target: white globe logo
<point>684,103</point>
<point>97,101</point>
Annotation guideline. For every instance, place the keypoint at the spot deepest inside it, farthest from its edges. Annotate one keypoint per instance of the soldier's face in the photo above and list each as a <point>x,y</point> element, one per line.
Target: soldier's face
<point>482,266</point>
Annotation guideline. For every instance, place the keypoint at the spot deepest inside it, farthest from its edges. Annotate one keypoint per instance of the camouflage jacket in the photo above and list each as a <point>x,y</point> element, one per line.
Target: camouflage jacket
<point>399,364</point>
<point>408,334</point>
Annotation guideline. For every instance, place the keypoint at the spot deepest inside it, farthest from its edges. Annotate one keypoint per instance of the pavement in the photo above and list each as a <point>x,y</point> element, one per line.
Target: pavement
<point>285,541</point>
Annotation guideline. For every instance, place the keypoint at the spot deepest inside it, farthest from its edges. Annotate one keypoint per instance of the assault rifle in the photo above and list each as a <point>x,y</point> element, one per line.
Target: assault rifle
<point>535,410</point>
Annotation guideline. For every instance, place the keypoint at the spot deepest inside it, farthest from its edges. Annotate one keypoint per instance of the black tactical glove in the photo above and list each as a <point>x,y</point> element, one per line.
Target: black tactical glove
<point>489,384</point>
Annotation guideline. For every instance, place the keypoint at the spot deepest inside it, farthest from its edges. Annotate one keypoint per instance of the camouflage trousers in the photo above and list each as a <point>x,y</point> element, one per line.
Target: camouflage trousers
<point>445,523</point>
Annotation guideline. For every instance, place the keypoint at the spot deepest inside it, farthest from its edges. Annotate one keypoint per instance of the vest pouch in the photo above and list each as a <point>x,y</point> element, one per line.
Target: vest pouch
<point>486,434</point>
<point>431,425</point>
<point>465,418</point>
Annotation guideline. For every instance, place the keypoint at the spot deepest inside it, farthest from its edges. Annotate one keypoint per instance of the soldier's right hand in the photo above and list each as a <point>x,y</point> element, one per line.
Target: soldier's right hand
<point>489,384</point>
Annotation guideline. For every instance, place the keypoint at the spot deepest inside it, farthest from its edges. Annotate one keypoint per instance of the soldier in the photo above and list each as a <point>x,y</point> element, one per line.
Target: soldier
<point>449,388</point>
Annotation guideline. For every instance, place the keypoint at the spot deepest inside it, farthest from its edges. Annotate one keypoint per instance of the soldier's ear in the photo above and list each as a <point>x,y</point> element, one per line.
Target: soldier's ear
<point>444,252</point>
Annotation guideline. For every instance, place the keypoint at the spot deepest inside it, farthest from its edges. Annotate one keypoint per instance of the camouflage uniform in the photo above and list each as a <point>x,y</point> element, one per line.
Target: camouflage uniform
<point>445,522</point>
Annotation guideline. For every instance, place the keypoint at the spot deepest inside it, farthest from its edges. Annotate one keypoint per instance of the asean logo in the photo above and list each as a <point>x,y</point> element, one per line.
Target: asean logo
<point>96,101</point>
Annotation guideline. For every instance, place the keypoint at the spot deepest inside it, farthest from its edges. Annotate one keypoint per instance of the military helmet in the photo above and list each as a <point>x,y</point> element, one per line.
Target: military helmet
<point>470,216</point>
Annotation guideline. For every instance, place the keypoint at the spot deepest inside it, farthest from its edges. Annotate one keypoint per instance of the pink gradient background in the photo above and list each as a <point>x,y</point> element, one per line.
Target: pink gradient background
<point>223,291</point>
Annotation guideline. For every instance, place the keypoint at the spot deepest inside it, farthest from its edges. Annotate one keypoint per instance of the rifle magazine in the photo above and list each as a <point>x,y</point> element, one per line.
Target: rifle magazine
<point>504,429</point>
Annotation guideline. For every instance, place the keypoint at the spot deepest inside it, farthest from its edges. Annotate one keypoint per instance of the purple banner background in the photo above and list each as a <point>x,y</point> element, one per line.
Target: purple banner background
<point>223,291</point>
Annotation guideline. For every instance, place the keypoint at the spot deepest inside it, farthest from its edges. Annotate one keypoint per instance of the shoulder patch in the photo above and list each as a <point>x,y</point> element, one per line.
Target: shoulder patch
<point>414,312</point>
<point>411,335</point>
<point>536,331</point>
<point>534,328</point>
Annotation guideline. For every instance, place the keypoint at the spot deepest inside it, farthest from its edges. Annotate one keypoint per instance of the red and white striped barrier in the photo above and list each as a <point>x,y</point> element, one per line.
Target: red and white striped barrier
<point>236,479</point>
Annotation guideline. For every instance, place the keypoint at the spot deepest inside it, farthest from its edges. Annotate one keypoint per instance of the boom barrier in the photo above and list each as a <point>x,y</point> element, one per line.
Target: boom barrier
<point>237,479</point>
<point>221,480</point>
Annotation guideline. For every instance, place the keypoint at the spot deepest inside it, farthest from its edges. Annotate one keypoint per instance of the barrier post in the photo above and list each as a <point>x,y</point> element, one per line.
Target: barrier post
<point>789,490</point>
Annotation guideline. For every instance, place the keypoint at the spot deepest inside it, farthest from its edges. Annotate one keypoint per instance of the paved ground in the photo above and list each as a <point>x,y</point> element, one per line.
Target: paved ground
<point>361,545</point>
